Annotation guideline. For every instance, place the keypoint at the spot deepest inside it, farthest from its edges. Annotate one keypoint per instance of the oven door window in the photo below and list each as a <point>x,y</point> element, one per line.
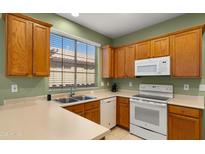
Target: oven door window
<point>147,115</point>
<point>150,116</point>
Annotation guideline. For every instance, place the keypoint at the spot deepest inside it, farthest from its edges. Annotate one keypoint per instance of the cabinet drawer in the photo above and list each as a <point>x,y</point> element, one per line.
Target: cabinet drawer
<point>92,105</point>
<point>184,111</point>
<point>123,100</point>
<point>76,108</point>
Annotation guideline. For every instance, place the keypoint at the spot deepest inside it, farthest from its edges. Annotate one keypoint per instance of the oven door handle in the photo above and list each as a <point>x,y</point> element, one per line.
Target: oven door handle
<point>149,102</point>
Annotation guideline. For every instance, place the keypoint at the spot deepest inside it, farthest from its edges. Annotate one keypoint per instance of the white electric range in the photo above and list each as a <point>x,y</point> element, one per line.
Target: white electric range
<point>148,111</point>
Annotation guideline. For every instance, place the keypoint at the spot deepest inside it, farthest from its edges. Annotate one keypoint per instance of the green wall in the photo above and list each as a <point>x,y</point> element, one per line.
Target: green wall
<point>34,86</point>
<point>172,25</point>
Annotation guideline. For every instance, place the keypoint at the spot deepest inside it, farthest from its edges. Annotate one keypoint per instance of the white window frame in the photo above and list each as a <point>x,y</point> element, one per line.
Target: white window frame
<point>79,39</point>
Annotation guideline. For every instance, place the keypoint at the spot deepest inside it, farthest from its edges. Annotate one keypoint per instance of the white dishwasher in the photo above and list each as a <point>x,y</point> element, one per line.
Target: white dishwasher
<point>108,112</point>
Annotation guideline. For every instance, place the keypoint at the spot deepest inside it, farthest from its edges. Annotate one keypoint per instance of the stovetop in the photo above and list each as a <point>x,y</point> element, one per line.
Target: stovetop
<point>151,97</point>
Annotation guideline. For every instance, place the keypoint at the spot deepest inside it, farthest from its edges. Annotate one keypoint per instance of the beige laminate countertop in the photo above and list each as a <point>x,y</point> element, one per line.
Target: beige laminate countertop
<point>188,101</point>
<point>39,119</point>
<point>180,100</point>
<point>42,120</point>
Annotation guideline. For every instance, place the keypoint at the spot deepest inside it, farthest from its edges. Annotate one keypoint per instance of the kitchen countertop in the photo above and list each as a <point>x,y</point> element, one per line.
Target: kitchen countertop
<point>188,101</point>
<point>43,120</point>
<point>99,95</point>
<point>180,100</point>
<point>37,118</point>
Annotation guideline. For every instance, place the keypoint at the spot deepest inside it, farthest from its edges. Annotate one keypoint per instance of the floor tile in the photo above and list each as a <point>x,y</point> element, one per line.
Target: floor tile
<point>118,133</point>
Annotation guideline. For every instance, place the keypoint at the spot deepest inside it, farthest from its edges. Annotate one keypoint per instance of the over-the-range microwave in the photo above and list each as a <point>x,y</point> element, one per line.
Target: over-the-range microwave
<point>153,66</point>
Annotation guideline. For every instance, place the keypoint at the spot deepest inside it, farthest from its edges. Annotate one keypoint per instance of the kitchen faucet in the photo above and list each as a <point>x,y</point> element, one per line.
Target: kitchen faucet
<point>72,93</point>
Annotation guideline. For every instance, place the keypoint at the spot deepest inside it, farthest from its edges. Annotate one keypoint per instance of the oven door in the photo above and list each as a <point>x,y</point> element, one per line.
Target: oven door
<point>149,115</point>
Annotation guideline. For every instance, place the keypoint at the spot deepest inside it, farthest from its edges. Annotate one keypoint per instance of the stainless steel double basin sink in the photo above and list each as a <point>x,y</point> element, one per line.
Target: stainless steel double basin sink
<point>74,99</point>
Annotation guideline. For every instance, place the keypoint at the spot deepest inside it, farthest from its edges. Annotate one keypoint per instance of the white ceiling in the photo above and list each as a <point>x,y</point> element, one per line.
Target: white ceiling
<point>118,24</point>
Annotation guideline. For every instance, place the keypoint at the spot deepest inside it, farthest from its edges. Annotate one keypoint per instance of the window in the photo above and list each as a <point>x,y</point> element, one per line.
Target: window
<point>73,63</point>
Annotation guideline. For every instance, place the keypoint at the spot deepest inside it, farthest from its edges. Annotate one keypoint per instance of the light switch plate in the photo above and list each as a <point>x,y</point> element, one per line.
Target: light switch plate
<point>186,86</point>
<point>102,83</point>
<point>202,87</point>
<point>14,88</point>
<point>130,84</point>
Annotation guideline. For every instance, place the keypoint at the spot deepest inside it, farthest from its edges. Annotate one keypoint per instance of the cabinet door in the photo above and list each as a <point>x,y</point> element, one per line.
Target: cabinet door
<point>120,62</point>
<point>19,46</point>
<point>93,115</point>
<point>107,61</point>
<point>77,109</point>
<point>123,112</point>
<point>130,61</point>
<point>186,54</point>
<point>143,50</point>
<point>41,50</point>
<point>183,127</point>
<point>160,47</point>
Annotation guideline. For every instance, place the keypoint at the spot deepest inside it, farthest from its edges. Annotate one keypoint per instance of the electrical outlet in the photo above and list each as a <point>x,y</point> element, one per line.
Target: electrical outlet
<point>202,87</point>
<point>14,88</point>
<point>108,83</point>
<point>130,84</point>
<point>102,83</point>
<point>186,86</point>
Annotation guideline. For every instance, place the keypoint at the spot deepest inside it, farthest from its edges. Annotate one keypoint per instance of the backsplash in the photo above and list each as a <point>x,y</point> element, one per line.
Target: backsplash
<point>177,83</point>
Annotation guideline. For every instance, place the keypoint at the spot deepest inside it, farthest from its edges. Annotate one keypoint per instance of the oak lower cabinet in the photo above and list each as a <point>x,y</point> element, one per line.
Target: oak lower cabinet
<point>93,115</point>
<point>107,62</point>
<point>123,112</point>
<point>27,45</point>
<point>186,53</point>
<point>184,123</point>
<point>90,110</point>
<point>78,109</point>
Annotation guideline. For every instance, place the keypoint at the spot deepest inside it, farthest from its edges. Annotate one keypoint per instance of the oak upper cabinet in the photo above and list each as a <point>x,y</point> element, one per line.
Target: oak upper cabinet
<point>28,46</point>
<point>41,50</point>
<point>160,47</point>
<point>108,62</point>
<point>186,53</point>
<point>130,61</point>
<point>184,123</point>
<point>143,50</point>
<point>120,62</point>
<point>19,48</point>
<point>123,112</point>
